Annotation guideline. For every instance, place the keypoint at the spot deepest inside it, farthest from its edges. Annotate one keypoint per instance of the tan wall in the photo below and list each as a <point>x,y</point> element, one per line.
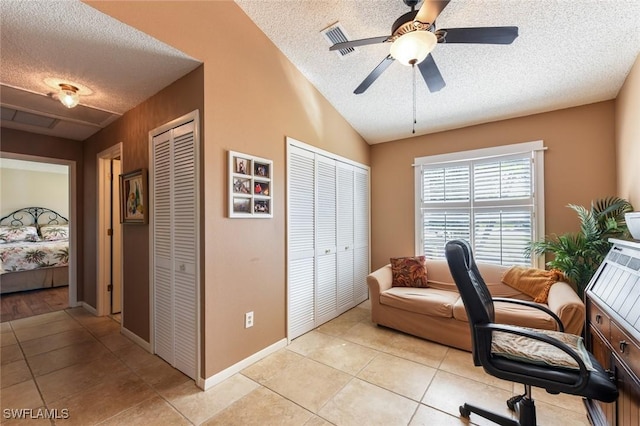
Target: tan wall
<point>254,98</point>
<point>579,166</point>
<point>27,188</point>
<point>628,137</point>
<point>25,143</point>
<point>132,129</point>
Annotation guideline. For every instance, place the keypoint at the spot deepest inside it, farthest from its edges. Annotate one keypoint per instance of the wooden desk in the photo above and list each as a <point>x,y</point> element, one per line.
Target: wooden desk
<point>613,331</point>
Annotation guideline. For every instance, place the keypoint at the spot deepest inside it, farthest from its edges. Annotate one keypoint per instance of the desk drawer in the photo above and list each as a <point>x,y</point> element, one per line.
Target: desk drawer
<point>626,348</point>
<point>599,320</point>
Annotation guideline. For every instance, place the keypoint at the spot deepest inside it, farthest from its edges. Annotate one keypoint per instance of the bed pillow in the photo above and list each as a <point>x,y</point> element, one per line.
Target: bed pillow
<point>12,234</point>
<point>54,232</point>
<point>408,271</point>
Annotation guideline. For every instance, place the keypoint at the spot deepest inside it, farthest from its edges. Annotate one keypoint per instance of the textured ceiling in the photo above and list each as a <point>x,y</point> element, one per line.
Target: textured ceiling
<point>115,66</point>
<point>568,53</point>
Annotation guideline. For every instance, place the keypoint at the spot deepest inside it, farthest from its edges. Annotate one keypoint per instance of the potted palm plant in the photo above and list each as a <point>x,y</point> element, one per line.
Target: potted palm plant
<point>578,255</point>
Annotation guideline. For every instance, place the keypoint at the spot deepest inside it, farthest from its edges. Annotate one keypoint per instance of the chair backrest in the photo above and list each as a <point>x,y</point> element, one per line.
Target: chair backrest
<point>475,295</point>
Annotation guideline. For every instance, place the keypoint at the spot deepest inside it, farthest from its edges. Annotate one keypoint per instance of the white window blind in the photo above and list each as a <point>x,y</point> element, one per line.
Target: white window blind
<point>488,200</point>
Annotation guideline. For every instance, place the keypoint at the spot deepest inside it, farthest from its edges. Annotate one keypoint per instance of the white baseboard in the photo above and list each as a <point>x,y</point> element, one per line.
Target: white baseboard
<point>136,339</point>
<point>209,382</point>
<point>88,307</point>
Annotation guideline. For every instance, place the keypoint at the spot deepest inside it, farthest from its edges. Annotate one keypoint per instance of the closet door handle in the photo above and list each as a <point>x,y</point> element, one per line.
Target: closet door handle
<point>598,318</point>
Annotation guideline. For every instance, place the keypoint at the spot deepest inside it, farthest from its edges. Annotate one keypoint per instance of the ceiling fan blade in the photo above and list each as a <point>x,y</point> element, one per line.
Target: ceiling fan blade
<point>361,42</point>
<point>431,74</point>
<point>430,10</point>
<point>374,74</point>
<point>482,35</point>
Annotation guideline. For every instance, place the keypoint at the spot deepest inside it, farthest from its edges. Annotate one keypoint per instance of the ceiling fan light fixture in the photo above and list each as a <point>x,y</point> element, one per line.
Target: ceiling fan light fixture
<point>412,48</point>
<point>68,95</point>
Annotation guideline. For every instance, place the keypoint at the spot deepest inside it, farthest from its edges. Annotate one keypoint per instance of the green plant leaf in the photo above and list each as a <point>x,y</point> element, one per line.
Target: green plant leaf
<point>578,255</point>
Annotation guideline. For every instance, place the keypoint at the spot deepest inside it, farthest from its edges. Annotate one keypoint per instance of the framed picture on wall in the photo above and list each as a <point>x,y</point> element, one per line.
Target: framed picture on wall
<point>250,186</point>
<point>133,197</point>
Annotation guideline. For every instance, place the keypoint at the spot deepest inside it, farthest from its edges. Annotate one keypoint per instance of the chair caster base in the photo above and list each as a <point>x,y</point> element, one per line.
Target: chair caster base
<point>512,402</point>
<point>464,412</point>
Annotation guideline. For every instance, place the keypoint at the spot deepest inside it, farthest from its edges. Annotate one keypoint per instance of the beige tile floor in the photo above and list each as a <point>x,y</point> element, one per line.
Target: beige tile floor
<point>346,372</point>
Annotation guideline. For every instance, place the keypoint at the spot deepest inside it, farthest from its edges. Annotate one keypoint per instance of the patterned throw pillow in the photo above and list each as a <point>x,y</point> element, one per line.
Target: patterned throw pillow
<point>12,234</point>
<point>409,271</point>
<point>54,232</point>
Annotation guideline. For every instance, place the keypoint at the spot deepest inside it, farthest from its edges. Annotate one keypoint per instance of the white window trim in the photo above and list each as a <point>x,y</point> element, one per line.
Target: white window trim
<point>537,147</point>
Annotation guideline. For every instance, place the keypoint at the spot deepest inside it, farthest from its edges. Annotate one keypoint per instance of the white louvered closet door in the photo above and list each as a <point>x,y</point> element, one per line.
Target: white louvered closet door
<point>162,247</point>
<point>326,239</point>
<point>175,234</point>
<point>301,247</point>
<point>184,248</point>
<point>345,228</point>
<point>361,234</point>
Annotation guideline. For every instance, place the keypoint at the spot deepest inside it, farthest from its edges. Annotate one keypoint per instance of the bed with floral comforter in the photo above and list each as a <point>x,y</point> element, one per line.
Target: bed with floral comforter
<point>27,255</point>
<point>34,250</point>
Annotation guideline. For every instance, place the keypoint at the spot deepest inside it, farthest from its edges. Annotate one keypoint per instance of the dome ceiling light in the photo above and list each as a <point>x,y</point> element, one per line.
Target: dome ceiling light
<point>68,95</point>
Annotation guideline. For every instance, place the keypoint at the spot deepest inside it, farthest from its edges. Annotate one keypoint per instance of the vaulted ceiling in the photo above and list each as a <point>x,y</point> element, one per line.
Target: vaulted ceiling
<point>567,53</point>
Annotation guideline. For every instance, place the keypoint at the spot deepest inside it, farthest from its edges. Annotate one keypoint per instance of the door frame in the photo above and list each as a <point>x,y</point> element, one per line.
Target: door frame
<point>103,300</point>
<point>73,223</point>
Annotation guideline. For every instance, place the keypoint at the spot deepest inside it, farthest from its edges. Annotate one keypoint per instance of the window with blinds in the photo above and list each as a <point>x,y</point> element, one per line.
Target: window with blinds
<point>488,200</point>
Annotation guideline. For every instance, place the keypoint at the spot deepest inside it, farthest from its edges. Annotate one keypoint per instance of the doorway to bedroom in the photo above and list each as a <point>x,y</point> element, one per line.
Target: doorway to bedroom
<point>35,236</point>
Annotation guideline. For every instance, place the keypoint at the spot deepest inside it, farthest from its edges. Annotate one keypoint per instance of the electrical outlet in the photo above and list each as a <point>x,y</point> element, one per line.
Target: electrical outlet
<point>248,319</point>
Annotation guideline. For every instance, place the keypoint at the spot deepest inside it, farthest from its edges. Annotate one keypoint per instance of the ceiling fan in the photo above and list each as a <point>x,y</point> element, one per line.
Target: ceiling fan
<point>414,36</point>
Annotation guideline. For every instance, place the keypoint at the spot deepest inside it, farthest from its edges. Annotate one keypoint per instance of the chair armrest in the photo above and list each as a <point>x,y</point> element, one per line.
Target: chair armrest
<point>533,305</point>
<point>488,329</point>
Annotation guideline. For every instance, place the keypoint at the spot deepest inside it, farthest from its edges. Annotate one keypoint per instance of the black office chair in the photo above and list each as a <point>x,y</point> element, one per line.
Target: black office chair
<point>592,382</point>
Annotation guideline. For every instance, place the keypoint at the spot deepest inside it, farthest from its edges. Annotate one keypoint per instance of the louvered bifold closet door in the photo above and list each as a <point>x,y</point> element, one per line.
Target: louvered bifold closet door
<point>326,241</point>
<point>345,228</point>
<point>361,234</point>
<point>301,241</point>
<point>184,243</point>
<point>162,248</point>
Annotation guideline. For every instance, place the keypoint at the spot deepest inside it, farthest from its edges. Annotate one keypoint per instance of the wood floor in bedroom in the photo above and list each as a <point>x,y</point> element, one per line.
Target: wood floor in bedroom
<point>25,304</point>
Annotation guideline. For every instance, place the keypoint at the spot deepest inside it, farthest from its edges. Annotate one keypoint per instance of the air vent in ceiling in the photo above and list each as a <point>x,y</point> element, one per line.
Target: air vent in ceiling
<point>335,34</point>
<point>10,114</point>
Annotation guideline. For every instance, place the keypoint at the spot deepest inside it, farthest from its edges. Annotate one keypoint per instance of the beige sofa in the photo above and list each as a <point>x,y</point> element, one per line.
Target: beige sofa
<point>437,313</point>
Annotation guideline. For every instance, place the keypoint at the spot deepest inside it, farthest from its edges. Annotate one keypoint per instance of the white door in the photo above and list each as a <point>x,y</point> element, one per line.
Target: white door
<point>327,236</point>
<point>326,239</point>
<point>301,238</point>
<point>185,255</point>
<point>116,239</point>
<point>162,248</point>
<point>175,247</point>
<point>361,234</point>
<point>345,205</point>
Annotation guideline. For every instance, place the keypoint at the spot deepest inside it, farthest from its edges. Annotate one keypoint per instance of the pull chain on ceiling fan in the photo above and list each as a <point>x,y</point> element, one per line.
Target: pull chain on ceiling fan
<point>413,68</point>
<point>414,37</point>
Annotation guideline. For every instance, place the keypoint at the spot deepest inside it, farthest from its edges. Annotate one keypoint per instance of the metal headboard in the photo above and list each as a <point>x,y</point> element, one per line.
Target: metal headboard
<point>36,216</point>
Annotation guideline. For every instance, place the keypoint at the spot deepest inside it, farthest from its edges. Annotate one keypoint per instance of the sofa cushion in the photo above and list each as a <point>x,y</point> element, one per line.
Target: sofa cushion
<point>509,313</point>
<point>408,272</point>
<point>427,301</point>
